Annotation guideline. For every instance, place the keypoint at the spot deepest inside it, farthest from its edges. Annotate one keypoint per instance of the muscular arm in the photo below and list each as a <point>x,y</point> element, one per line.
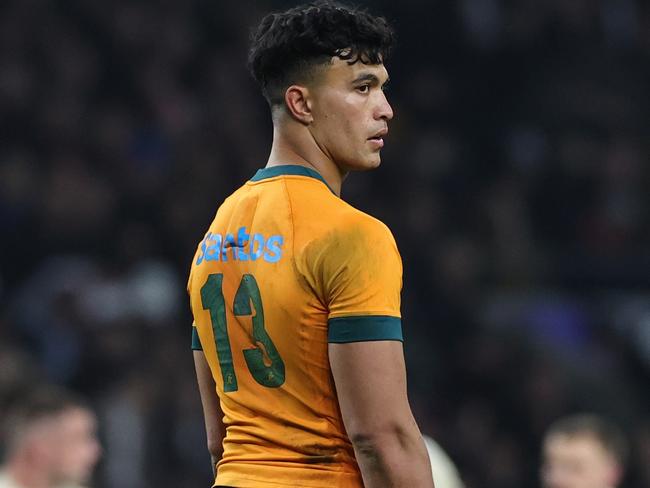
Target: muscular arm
<point>212,413</point>
<point>370,380</point>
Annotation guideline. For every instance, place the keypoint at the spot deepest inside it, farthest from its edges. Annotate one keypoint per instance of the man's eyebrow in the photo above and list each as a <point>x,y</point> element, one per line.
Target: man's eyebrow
<point>369,77</point>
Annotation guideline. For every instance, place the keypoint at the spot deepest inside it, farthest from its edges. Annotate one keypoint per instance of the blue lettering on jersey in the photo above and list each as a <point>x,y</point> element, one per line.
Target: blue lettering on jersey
<point>257,246</point>
<point>228,243</point>
<point>201,257</point>
<point>210,248</point>
<point>242,240</point>
<point>273,246</point>
<point>214,247</point>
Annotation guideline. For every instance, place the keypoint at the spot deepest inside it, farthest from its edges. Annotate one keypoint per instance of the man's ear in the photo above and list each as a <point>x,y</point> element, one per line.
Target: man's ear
<point>297,99</point>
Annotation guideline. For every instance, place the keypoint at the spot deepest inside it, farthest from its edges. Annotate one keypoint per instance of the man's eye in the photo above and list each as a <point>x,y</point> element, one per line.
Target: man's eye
<point>363,88</point>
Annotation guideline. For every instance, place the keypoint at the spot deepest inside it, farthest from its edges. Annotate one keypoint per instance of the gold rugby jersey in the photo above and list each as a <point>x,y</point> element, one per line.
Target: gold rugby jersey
<point>286,267</point>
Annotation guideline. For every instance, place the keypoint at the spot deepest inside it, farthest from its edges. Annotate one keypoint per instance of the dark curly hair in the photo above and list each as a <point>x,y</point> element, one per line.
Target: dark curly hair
<point>287,46</point>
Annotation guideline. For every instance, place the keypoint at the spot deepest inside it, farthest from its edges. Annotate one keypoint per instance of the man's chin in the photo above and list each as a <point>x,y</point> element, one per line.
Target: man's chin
<point>375,162</point>
<point>367,164</point>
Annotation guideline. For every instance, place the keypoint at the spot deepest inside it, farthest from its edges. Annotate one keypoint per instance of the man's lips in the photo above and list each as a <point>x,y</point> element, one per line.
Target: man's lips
<point>378,138</point>
<point>380,135</point>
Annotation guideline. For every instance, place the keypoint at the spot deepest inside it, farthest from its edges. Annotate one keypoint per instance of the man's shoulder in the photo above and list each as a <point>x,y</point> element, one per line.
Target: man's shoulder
<point>354,221</point>
<point>352,235</point>
<point>335,213</point>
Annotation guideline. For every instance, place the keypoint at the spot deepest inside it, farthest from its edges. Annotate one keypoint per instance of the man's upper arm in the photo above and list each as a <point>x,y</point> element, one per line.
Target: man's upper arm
<point>370,382</point>
<point>363,285</point>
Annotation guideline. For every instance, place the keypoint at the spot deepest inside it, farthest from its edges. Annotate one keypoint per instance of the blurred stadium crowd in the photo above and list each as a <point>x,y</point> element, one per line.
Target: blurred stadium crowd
<point>516,180</point>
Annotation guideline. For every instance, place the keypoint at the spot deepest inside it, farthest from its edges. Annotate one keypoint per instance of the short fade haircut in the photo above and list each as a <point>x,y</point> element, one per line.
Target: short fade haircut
<point>287,46</point>
<point>608,434</point>
<point>40,404</point>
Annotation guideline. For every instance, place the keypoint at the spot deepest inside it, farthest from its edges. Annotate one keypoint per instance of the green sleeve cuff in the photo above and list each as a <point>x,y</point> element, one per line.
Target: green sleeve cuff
<point>196,343</point>
<point>364,328</point>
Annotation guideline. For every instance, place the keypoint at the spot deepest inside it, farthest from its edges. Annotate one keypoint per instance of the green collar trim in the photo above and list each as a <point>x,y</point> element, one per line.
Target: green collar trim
<point>288,169</point>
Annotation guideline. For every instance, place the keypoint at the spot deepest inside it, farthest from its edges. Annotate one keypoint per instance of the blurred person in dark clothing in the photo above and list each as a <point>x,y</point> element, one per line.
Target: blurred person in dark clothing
<point>50,441</point>
<point>583,451</point>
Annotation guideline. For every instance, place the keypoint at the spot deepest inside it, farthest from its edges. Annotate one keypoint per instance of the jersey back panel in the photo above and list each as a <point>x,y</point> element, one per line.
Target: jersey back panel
<point>272,272</point>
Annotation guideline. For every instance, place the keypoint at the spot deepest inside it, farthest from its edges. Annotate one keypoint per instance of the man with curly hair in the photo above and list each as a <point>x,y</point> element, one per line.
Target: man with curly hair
<point>295,293</point>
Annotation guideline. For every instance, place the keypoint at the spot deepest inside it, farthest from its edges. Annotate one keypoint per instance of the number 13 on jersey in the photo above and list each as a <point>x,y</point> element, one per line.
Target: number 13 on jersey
<point>263,360</point>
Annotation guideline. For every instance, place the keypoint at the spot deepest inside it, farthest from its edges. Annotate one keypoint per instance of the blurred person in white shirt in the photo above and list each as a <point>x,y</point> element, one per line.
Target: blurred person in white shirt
<point>49,441</point>
<point>445,473</point>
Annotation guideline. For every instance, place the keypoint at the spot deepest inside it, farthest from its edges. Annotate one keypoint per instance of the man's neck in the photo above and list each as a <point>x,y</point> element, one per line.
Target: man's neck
<point>297,147</point>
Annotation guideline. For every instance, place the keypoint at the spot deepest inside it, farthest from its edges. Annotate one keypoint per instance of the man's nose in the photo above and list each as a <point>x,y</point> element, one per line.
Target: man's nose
<point>384,110</point>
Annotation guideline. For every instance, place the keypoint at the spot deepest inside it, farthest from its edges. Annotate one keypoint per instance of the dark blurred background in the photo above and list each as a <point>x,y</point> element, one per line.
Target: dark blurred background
<point>516,180</point>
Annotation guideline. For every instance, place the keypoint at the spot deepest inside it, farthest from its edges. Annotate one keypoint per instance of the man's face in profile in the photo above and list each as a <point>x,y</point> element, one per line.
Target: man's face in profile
<point>77,450</point>
<point>351,113</point>
<point>578,461</point>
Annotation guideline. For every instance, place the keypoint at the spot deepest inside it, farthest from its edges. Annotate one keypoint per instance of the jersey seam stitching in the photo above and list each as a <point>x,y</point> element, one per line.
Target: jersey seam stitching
<point>293,229</point>
<point>293,226</point>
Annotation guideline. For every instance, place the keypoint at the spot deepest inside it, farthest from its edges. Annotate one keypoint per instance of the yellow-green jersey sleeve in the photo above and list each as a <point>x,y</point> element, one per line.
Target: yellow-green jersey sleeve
<point>361,272</point>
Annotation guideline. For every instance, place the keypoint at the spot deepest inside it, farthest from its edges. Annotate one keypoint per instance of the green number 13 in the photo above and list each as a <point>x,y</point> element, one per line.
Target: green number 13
<point>263,360</point>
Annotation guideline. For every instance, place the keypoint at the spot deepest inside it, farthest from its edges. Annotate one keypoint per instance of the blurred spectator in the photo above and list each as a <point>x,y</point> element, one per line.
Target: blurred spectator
<point>444,471</point>
<point>50,439</point>
<point>583,451</point>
